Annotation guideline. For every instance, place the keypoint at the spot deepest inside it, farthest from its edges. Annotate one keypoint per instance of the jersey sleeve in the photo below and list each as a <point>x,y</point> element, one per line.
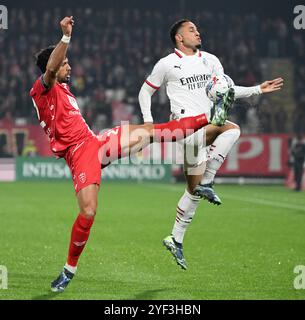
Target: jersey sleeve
<point>39,87</point>
<point>217,67</point>
<point>157,76</point>
<point>247,92</point>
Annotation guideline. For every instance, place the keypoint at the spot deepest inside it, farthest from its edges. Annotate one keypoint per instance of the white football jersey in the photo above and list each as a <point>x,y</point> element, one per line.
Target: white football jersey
<point>185,78</point>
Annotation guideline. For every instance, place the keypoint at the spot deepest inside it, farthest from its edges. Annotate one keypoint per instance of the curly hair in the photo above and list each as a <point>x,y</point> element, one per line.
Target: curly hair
<point>42,58</point>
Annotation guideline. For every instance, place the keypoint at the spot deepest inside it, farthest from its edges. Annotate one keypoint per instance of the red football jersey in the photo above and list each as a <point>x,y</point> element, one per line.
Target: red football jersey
<point>59,116</point>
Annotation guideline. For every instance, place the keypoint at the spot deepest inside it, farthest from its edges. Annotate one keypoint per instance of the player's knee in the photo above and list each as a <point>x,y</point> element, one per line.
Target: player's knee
<point>149,127</point>
<point>235,132</point>
<point>89,210</point>
<point>236,126</point>
<point>232,125</point>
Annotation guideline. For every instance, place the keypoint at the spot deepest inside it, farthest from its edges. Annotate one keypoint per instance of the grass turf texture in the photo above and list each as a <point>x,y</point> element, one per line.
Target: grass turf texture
<point>245,249</point>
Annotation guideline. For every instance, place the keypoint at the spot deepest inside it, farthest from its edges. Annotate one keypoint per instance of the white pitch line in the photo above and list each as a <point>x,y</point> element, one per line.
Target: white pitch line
<point>266,202</point>
<point>244,199</point>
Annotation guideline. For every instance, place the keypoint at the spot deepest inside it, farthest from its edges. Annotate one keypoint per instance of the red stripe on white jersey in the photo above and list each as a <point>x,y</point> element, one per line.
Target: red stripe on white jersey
<point>152,85</point>
<point>178,54</point>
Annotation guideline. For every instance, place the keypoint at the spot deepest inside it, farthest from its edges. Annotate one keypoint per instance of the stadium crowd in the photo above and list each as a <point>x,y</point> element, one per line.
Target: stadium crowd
<point>112,52</point>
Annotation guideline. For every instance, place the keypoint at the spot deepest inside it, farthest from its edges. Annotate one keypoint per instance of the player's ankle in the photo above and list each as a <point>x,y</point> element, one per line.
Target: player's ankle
<point>178,244</point>
<point>70,268</point>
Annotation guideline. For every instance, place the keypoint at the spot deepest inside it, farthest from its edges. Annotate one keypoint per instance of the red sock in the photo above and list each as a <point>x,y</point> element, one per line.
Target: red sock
<point>79,236</point>
<point>179,129</point>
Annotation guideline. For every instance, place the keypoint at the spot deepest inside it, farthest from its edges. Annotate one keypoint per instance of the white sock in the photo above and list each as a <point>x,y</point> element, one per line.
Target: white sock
<point>186,208</point>
<point>219,149</point>
<point>70,268</point>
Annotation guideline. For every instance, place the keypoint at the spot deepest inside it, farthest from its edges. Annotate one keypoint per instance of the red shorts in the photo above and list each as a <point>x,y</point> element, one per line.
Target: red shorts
<point>87,158</point>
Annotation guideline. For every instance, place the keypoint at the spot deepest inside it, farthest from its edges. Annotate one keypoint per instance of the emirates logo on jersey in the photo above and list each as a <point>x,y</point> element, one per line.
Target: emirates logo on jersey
<point>82,177</point>
<point>195,78</point>
<point>196,81</point>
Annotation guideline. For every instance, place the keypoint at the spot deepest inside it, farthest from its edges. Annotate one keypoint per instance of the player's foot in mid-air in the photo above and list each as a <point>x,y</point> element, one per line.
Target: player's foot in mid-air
<point>176,250</point>
<point>61,282</point>
<point>222,106</point>
<point>207,192</point>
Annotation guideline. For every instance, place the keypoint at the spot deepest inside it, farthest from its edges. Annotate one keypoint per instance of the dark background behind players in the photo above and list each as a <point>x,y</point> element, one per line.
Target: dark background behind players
<point>120,41</point>
<point>116,56</point>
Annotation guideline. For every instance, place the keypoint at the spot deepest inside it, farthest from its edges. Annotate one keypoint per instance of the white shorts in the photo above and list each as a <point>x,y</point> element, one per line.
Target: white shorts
<point>194,149</point>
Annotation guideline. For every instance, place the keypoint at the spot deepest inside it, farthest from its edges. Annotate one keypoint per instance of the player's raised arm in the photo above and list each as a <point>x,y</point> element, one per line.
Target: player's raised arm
<point>59,53</point>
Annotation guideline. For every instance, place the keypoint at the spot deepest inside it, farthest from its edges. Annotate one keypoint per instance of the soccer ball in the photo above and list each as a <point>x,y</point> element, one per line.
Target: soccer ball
<point>218,84</point>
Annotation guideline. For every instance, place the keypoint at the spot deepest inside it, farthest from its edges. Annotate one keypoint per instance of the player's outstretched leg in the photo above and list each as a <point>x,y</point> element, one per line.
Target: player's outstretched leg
<point>136,137</point>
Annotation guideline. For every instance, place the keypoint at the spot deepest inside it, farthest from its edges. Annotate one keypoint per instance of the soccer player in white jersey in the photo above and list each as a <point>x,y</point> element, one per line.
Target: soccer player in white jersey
<point>185,73</point>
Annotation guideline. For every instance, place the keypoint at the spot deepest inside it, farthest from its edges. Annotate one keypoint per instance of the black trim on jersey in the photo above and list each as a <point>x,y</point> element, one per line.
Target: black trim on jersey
<point>43,82</point>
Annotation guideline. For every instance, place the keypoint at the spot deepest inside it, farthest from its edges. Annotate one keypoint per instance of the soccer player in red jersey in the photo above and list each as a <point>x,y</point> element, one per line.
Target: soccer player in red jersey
<point>86,153</point>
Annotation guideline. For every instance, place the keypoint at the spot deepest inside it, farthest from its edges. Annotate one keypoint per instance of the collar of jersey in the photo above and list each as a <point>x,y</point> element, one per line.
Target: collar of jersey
<point>180,54</point>
<point>64,85</point>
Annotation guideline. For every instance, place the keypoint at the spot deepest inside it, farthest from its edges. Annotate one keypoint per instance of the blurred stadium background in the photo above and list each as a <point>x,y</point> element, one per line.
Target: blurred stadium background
<point>114,47</point>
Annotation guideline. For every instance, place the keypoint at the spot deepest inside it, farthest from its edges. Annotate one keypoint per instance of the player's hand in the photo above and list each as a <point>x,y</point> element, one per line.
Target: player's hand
<point>272,85</point>
<point>66,25</point>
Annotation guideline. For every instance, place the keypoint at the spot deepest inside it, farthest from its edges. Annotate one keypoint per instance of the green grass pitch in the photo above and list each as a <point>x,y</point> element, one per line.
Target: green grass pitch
<point>245,249</point>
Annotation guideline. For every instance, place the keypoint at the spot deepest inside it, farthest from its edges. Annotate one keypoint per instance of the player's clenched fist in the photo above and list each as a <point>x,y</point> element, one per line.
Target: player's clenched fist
<point>66,25</point>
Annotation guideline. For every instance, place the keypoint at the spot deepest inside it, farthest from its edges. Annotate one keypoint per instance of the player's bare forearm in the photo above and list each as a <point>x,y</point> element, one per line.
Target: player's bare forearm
<point>57,57</point>
<point>59,53</point>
